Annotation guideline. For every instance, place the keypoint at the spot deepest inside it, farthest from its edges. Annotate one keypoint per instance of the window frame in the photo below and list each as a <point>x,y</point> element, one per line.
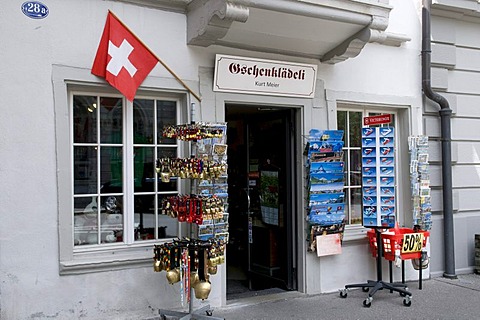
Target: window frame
<point>95,258</point>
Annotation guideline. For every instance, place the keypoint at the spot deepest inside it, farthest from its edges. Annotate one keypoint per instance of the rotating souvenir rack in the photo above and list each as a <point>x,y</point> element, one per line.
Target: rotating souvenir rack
<point>325,181</point>
<point>191,261</point>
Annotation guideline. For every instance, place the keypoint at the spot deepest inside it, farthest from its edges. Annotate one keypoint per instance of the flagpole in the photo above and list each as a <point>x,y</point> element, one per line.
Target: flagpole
<point>157,57</point>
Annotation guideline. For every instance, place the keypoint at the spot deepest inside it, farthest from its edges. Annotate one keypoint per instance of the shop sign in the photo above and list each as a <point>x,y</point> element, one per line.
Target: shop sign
<point>266,77</point>
<point>381,119</point>
<point>412,242</point>
<point>35,9</point>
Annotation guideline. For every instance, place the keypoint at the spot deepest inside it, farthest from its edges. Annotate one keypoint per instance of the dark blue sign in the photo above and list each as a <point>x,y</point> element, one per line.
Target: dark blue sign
<point>35,9</point>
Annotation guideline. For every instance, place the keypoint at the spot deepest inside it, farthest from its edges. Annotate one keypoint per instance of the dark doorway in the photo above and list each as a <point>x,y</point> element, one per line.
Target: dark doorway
<point>261,252</point>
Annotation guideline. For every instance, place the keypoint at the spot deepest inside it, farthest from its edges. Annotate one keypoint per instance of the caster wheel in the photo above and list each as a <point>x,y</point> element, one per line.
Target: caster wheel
<point>365,289</point>
<point>209,312</point>
<point>407,302</point>
<point>367,303</point>
<point>343,293</point>
<point>163,317</point>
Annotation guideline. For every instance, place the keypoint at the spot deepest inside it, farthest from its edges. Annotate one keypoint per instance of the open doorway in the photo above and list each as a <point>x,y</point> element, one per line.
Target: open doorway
<point>261,253</point>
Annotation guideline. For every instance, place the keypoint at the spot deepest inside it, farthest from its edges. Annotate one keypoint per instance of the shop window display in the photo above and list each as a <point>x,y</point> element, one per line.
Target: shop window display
<point>110,143</point>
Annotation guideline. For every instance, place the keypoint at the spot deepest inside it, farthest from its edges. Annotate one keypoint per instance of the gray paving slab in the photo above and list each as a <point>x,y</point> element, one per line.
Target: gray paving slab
<point>440,298</point>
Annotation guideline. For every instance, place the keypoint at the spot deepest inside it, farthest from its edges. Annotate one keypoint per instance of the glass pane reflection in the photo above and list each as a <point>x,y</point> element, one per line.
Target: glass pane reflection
<point>111,120</point>
<point>84,119</point>
<point>143,121</point>
<point>112,219</point>
<point>111,169</point>
<point>84,170</point>
<point>85,220</point>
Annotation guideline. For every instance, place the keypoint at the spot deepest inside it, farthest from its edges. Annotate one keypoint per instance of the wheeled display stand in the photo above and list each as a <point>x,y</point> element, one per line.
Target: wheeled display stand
<point>372,286</point>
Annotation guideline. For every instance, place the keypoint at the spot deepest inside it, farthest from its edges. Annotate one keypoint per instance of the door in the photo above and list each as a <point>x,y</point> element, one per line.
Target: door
<point>261,251</point>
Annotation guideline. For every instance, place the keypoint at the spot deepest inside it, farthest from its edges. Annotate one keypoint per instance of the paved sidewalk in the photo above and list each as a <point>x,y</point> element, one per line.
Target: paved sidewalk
<point>440,298</point>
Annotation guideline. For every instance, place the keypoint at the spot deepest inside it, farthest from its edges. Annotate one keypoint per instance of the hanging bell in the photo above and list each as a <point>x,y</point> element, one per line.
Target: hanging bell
<point>212,270</point>
<point>194,279</point>
<point>157,266</point>
<point>165,176</point>
<point>202,290</point>
<point>173,276</point>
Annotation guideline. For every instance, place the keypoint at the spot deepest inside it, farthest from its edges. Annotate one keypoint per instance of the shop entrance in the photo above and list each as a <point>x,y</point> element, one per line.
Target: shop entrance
<point>261,256</point>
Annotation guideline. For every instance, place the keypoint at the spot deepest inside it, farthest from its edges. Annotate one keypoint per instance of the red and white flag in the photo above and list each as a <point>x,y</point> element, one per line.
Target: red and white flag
<point>122,59</point>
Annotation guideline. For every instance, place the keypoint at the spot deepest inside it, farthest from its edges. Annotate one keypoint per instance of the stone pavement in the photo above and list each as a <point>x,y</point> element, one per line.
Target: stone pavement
<point>440,298</point>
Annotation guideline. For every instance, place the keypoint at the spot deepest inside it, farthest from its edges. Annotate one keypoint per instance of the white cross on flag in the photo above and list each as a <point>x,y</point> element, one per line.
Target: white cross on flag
<point>122,59</point>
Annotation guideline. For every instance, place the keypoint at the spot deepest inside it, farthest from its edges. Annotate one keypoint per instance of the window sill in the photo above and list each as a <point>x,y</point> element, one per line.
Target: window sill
<point>107,259</point>
<point>355,233</point>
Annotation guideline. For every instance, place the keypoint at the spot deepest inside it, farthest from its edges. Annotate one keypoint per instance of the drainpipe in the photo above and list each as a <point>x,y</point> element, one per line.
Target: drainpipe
<point>445,116</point>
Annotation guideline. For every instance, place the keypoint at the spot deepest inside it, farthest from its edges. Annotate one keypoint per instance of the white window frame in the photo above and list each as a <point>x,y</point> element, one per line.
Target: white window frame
<point>95,258</point>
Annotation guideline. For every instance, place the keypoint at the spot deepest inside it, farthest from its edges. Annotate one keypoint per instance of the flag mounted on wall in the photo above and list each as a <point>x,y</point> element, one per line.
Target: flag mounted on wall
<point>122,59</point>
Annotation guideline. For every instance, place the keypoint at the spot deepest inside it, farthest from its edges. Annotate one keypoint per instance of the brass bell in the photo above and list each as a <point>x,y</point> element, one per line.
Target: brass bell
<point>157,266</point>
<point>202,290</point>
<point>194,278</point>
<point>212,270</point>
<point>165,176</point>
<point>173,276</point>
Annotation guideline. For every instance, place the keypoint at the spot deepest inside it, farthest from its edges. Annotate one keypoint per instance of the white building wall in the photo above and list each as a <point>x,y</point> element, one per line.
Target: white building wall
<point>455,66</point>
<point>30,285</point>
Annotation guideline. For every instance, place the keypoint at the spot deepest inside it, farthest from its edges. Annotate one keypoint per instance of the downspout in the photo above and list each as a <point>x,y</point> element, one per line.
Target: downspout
<point>445,119</point>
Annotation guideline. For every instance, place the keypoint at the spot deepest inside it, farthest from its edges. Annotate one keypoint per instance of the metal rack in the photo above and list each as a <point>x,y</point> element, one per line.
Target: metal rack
<point>191,314</point>
<point>372,286</point>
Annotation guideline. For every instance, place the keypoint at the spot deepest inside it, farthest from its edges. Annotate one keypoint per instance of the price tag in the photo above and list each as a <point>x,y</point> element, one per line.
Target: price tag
<point>412,242</point>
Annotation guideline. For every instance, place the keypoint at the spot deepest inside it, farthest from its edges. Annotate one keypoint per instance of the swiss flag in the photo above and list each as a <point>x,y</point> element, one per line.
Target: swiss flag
<point>122,59</point>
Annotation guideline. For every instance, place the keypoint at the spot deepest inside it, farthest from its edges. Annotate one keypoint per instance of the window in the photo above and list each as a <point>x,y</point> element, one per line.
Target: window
<point>351,121</point>
<point>116,191</point>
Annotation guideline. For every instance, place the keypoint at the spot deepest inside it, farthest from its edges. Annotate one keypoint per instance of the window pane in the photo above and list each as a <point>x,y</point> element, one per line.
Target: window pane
<point>355,126</point>
<point>144,165</point>
<point>342,121</point>
<point>145,217</point>
<point>111,120</point>
<point>166,115</point>
<point>85,170</point>
<point>166,223</point>
<point>84,119</point>
<point>355,168</point>
<point>167,152</point>
<point>356,206</point>
<point>85,220</point>
<point>111,169</point>
<point>112,219</point>
<point>143,118</point>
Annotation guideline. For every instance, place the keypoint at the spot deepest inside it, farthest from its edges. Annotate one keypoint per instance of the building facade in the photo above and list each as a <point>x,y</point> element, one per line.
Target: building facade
<point>78,157</point>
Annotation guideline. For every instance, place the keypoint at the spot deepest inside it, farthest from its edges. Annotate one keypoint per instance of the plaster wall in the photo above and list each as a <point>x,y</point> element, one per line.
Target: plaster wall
<point>455,49</point>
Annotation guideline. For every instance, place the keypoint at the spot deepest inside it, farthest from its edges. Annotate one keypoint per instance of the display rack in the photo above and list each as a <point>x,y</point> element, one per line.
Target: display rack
<point>372,286</point>
<point>198,169</point>
<point>325,201</point>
